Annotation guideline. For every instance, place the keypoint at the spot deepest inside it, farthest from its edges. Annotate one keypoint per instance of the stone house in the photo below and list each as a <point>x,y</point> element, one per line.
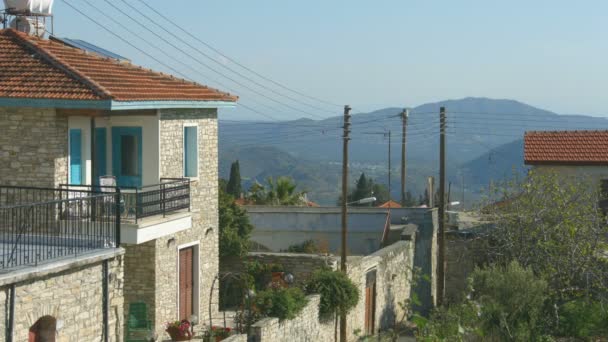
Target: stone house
<point>110,138</point>
<point>569,153</point>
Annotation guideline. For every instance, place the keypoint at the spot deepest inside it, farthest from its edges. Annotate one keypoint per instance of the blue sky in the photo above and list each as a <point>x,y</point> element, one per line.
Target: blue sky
<point>374,54</point>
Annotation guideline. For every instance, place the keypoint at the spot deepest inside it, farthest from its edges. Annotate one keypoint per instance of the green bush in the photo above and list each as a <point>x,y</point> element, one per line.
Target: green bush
<point>338,293</point>
<point>583,319</point>
<point>281,303</point>
<point>512,300</point>
<point>506,304</point>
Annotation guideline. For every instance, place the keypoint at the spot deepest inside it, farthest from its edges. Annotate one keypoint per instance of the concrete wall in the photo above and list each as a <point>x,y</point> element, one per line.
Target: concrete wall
<point>24,160</point>
<point>277,228</point>
<point>73,296</point>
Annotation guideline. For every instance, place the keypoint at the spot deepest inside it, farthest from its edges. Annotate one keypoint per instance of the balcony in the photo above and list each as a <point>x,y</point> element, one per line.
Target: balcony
<point>148,212</point>
<point>39,225</point>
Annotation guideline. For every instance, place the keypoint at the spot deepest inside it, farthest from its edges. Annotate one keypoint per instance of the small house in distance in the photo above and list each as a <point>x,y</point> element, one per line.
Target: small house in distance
<point>568,153</point>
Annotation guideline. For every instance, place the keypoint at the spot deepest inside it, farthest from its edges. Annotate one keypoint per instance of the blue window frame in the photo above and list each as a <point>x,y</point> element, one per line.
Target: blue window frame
<point>191,151</point>
<point>75,156</point>
<point>127,156</point>
<point>100,153</point>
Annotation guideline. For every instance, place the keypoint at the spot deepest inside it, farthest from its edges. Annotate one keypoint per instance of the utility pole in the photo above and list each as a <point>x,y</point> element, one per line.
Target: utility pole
<point>346,138</point>
<point>404,116</point>
<point>389,169</point>
<point>441,238</point>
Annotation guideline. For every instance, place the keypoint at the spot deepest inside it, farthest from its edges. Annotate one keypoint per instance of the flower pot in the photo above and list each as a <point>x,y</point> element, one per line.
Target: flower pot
<point>177,335</point>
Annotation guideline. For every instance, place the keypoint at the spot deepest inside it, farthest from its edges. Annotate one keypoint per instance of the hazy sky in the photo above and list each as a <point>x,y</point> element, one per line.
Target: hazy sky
<point>373,54</point>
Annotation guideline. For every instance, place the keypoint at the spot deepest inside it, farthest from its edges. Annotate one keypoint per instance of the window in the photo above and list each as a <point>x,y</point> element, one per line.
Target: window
<point>191,151</point>
<point>76,156</point>
<point>129,160</point>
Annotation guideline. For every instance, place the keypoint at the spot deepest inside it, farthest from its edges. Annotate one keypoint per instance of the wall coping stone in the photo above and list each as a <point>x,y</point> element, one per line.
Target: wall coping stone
<point>59,265</point>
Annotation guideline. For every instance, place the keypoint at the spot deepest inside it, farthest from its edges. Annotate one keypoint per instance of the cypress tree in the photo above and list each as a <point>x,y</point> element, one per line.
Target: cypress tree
<point>234,183</point>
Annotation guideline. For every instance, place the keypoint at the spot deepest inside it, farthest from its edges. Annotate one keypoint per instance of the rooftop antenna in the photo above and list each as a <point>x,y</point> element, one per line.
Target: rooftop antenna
<point>28,16</point>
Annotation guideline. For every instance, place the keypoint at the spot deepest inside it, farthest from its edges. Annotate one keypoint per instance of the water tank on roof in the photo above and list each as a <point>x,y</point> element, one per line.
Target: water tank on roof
<point>29,25</point>
<point>33,7</point>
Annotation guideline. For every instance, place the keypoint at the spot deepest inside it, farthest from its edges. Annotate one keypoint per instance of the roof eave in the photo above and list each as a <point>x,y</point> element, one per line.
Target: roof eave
<point>111,104</point>
<point>565,163</point>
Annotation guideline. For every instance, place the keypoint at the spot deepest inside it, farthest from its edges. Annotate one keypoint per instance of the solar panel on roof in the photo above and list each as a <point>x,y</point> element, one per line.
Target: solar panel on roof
<point>86,46</point>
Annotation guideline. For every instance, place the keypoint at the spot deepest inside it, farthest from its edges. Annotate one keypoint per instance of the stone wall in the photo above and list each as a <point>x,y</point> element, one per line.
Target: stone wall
<point>140,271</point>
<point>463,254</point>
<point>74,297</point>
<point>300,265</point>
<point>303,328</point>
<point>24,160</point>
<point>204,204</point>
<point>393,266</point>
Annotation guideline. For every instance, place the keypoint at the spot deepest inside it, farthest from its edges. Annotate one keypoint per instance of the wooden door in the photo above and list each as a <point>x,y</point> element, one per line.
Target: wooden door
<point>186,283</point>
<point>370,302</point>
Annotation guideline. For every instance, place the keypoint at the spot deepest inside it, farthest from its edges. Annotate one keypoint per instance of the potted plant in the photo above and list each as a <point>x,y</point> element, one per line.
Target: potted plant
<point>220,333</point>
<point>179,330</point>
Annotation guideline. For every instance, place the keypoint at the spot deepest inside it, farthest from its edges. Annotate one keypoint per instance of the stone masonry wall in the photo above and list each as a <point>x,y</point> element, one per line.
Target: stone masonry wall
<point>75,297</point>
<point>140,270</point>
<point>300,265</point>
<point>24,160</point>
<point>204,204</point>
<point>304,328</point>
<point>463,253</point>
<point>393,266</point>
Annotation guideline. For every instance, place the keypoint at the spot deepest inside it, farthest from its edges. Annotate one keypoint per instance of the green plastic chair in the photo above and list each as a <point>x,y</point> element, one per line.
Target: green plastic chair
<point>138,323</point>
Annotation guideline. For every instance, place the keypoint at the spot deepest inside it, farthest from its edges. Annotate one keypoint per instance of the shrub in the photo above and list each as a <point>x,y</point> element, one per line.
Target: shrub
<point>507,304</point>
<point>281,303</point>
<point>309,247</point>
<point>512,301</point>
<point>338,293</point>
<point>581,318</point>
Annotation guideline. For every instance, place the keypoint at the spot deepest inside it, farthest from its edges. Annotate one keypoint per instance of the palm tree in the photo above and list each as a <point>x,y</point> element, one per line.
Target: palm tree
<point>279,192</point>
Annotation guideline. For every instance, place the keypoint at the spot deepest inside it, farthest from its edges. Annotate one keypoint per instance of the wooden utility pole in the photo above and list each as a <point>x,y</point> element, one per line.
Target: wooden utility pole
<point>441,238</point>
<point>346,138</point>
<point>404,116</point>
<point>389,169</point>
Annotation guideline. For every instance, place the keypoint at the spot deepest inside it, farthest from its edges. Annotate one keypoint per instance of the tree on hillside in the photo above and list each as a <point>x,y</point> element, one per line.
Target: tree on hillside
<point>281,191</point>
<point>365,187</point>
<point>235,228</point>
<point>410,201</point>
<point>234,183</point>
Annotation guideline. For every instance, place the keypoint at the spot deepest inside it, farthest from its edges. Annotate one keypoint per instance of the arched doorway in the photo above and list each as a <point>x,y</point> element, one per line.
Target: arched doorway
<point>43,330</point>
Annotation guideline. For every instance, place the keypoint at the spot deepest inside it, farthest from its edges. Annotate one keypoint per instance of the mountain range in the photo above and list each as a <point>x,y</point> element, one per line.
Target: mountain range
<point>484,144</point>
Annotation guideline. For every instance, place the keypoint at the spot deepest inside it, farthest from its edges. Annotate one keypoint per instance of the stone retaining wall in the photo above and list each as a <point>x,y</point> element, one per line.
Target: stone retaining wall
<point>304,328</point>
<point>393,266</point>
<point>75,297</point>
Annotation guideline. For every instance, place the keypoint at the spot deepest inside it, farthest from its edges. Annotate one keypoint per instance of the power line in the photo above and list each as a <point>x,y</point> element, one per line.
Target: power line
<point>212,59</point>
<point>234,61</point>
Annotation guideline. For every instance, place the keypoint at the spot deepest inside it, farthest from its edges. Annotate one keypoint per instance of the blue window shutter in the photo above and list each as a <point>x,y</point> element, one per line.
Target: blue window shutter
<point>75,156</point>
<point>100,153</point>
<point>190,151</point>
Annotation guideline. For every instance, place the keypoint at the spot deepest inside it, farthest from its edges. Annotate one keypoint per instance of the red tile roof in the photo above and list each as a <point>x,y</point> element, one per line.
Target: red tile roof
<point>390,204</point>
<point>34,68</point>
<point>566,147</point>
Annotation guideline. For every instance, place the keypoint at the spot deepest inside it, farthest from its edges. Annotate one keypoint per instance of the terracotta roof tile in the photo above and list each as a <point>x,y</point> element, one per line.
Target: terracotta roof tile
<point>44,69</point>
<point>390,204</point>
<point>566,147</point>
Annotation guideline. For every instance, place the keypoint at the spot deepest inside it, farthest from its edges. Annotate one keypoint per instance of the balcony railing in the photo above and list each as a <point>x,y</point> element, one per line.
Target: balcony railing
<point>170,195</point>
<point>40,224</point>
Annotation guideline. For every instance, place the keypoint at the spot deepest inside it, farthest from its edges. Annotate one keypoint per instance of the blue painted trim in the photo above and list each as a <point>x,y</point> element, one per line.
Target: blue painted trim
<point>126,180</point>
<point>112,105</point>
<point>46,103</point>
<point>121,105</point>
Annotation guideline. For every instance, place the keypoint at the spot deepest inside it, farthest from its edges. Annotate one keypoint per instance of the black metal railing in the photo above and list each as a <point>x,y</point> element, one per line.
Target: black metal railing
<point>41,224</point>
<point>170,195</point>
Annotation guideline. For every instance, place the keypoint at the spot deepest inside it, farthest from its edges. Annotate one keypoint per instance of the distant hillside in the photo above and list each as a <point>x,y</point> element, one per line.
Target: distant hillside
<point>484,142</point>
